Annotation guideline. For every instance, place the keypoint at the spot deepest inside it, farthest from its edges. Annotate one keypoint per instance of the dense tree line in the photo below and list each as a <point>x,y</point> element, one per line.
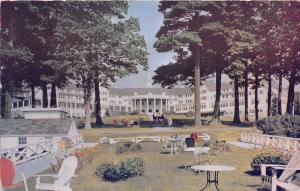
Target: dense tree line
<point>54,43</point>
<point>248,41</point>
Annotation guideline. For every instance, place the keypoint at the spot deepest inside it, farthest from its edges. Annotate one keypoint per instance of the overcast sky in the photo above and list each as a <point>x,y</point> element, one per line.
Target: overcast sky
<point>150,21</point>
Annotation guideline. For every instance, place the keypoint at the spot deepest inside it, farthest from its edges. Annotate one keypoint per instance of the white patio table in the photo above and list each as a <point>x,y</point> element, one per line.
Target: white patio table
<point>174,145</point>
<point>212,169</point>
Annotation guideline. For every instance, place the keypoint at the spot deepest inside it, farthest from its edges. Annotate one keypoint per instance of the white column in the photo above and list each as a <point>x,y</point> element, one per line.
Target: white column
<point>140,105</point>
<point>161,105</point>
<point>154,105</point>
<point>134,105</point>
<point>166,104</point>
<point>147,106</point>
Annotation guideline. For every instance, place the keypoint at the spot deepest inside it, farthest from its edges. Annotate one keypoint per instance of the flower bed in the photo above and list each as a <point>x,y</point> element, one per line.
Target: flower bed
<point>84,156</point>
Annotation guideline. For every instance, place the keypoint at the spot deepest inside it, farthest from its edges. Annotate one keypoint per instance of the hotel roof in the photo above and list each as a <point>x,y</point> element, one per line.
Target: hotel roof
<point>144,91</point>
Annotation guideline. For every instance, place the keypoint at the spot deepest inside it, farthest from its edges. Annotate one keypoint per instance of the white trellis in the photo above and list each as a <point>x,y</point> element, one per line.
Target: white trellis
<point>278,142</point>
<point>22,154</point>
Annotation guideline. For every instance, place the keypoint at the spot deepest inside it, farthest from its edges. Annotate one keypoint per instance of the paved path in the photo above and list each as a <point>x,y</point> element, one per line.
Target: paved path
<point>245,145</point>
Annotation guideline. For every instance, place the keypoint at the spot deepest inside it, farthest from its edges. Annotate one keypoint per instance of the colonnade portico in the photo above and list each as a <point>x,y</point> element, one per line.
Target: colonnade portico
<point>150,105</point>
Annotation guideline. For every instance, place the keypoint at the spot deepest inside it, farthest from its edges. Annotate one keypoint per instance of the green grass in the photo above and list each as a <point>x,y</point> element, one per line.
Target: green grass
<point>163,171</point>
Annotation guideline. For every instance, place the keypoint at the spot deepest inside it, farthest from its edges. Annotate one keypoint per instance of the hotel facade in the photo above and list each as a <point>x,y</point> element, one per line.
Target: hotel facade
<point>150,100</point>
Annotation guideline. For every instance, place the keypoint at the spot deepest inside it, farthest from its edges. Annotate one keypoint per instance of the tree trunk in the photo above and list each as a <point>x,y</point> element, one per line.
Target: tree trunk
<point>99,121</point>
<point>8,104</point>
<point>7,85</point>
<point>45,95</point>
<point>3,102</point>
<point>279,95</point>
<point>216,113</point>
<point>269,95</point>
<point>87,105</point>
<point>196,59</point>
<point>246,96</point>
<point>291,93</point>
<point>53,101</point>
<point>32,96</point>
<point>197,89</point>
<point>256,96</point>
<point>236,118</point>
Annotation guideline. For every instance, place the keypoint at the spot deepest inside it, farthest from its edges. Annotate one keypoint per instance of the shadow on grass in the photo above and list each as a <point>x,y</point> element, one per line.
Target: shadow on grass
<point>184,167</point>
<point>108,126</point>
<point>242,124</point>
<point>165,152</point>
<point>251,173</point>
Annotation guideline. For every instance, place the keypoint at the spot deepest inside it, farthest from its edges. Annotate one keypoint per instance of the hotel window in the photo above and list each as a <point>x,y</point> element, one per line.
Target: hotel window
<point>149,102</point>
<point>20,103</point>
<point>15,104</point>
<point>22,140</point>
<point>26,103</point>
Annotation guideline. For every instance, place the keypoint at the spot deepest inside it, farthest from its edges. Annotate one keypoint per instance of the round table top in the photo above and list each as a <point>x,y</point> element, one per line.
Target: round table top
<point>213,168</point>
<point>192,149</point>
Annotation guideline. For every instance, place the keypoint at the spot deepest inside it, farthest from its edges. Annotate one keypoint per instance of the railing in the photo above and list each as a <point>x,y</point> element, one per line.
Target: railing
<point>76,140</point>
<point>22,154</point>
<point>278,142</point>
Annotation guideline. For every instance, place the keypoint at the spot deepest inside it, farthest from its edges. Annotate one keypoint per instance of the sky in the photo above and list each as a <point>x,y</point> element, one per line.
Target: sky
<point>150,21</point>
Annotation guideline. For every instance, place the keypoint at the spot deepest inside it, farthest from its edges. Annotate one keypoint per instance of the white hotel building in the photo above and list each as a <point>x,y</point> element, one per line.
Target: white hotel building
<point>149,100</point>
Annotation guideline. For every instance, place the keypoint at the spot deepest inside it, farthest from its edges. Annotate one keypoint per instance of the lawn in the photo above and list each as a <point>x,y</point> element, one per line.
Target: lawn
<point>163,171</point>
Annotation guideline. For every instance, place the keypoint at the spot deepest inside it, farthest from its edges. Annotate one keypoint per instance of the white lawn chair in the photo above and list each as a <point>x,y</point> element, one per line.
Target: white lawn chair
<point>284,181</point>
<point>62,179</point>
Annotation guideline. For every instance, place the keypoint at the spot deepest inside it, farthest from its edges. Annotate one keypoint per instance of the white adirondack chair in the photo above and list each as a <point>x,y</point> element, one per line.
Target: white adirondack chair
<point>62,179</point>
<point>284,181</point>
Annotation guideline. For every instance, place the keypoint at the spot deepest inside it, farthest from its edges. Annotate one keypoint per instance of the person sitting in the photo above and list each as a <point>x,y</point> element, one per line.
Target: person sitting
<point>195,137</point>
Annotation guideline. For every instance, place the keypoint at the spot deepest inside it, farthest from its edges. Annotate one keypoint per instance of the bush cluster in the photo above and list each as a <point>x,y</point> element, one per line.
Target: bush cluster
<point>129,147</point>
<point>190,114</point>
<point>282,125</point>
<point>134,112</point>
<point>268,158</point>
<point>122,171</point>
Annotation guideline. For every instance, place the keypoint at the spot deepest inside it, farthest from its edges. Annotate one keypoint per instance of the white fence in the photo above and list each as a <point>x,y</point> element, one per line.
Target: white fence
<point>28,152</point>
<point>76,140</point>
<point>278,142</point>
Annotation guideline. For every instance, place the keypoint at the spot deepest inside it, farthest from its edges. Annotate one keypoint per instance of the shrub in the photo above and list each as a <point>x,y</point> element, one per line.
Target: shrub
<point>108,172</point>
<point>268,158</point>
<point>122,171</point>
<point>282,125</point>
<point>135,148</point>
<point>135,112</point>
<point>190,114</point>
<point>129,147</point>
<point>131,167</point>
